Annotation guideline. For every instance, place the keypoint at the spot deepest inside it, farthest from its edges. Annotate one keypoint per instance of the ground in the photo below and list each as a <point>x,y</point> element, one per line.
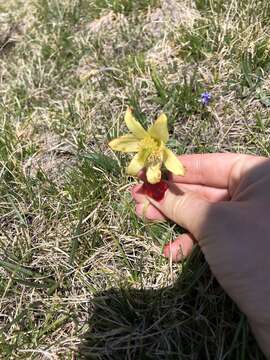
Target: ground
<point>81,276</point>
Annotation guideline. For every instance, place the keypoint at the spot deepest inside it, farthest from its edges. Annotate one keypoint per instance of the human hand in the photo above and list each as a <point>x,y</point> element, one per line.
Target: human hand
<point>224,204</point>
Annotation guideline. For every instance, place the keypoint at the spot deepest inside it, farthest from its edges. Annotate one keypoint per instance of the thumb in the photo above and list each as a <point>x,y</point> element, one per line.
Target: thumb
<point>187,209</point>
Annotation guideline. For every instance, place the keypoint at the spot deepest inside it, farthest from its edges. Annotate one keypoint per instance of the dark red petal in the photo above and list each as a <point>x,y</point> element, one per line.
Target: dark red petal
<point>155,191</point>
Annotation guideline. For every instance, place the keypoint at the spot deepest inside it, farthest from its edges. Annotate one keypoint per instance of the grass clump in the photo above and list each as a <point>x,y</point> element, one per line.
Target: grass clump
<point>122,6</point>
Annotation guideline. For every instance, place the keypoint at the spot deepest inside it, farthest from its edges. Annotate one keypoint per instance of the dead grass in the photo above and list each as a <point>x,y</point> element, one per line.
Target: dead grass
<point>81,276</point>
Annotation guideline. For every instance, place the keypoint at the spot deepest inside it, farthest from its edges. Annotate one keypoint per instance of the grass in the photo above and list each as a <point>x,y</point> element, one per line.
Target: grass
<point>81,275</point>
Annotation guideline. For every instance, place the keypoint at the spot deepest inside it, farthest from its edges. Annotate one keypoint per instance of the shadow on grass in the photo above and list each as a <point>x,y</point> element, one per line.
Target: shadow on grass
<point>193,319</point>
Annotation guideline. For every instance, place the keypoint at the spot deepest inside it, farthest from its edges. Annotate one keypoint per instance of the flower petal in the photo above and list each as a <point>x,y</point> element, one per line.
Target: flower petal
<point>153,173</point>
<point>172,163</point>
<point>134,126</point>
<point>137,163</point>
<point>159,130</point>
<point>126,143</point>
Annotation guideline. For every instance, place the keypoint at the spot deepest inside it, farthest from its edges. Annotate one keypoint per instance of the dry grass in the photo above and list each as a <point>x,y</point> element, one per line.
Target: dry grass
<point>81,276</point>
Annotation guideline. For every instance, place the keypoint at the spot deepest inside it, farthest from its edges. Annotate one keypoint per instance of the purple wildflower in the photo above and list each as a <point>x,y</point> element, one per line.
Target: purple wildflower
<point>206,98</point>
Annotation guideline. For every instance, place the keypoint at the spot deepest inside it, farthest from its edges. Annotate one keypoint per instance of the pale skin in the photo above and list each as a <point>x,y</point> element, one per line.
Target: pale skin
<point>223,202</point>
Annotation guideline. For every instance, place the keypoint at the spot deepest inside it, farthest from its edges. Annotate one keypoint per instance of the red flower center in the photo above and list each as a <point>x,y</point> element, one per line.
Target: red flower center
<point>155,191</point>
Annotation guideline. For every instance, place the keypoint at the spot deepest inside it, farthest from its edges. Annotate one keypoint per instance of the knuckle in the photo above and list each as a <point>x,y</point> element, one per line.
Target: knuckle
<point>181,203</point>
<point>198,166</point>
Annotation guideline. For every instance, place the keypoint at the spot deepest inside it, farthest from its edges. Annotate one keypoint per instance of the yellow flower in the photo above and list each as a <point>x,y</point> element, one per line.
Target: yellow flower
<point>149,146</point>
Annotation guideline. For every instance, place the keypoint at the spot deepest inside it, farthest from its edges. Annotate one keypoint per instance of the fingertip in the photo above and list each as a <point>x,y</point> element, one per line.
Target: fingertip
<point>142,175</point>
<point>139,210</point>
<point>138,194</point>
<point>135,189</point>
<point>180,248</point>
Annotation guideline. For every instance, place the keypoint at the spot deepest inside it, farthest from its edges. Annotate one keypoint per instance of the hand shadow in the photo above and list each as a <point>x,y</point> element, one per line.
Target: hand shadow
<point>192,320</point>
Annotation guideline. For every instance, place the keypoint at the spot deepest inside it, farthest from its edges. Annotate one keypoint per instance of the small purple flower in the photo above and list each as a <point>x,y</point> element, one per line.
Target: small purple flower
<point>206,98</point>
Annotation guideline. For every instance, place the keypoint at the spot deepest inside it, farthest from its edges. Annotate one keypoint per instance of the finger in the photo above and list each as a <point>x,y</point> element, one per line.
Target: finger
<point>142,175</point>
<point>188,210</point>
<point>137,193</point>
<point>149,212</point>
<point>209,169</point>
<point>180,248</point>
<point>211,193</point>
